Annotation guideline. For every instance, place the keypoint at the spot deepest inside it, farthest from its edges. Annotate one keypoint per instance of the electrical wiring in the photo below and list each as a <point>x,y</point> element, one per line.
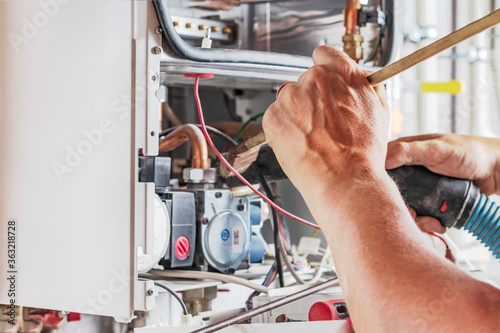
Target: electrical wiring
<point>258,234</point>
<point>315,232</point>
<point>211,276</point>
<point>376,46</point>
<point>191,133</point>
<point>265,308</point>
<point>285,234</point>
<point>313,235</point>
<point>316,276</point>
<point>288,265</point>
<point>183,49</point>
<point>279,235</point>
<point>210,129</point>
<point>449,255</point>
<point>440,238</point>
<point>229,110</point>
<point>283,228</point>
<point>171,116</point>
<point>171,292</point>
<point>276,233</point>
<point>174,294</point>
<point>270,276</point>
<point>459,252</point>
<point>230,167</point>
<point>319,272</point>
<point>242,129</point>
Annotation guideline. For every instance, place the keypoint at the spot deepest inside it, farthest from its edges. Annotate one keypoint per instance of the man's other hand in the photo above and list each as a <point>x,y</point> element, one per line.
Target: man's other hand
<point>453,155</point>
<point>460,156</point>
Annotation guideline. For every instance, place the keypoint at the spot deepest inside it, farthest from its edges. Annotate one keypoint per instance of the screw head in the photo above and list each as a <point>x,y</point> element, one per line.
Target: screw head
<point>204,220</point>
<point>150,292</point>
<point>157,50</point>
<point>153,78</point>
<point>158,30</point>
<point>240,207</point>
<point>218,195</point>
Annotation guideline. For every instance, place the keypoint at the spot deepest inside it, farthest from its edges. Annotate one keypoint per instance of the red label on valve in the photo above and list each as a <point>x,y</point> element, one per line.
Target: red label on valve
<point>181,247</point>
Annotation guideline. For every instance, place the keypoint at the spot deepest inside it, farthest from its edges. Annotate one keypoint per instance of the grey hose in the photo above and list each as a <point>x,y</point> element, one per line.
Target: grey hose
<point>183,50</point>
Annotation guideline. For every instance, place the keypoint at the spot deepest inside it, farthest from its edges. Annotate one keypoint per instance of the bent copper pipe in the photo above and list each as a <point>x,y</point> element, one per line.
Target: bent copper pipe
<point>195,136</point>
<point>351,17</point>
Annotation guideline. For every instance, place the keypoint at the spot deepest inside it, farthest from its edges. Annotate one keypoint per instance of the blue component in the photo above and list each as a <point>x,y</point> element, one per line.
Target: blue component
<point>224,235</point>
<point>257,250</point>
<point>491,231</point>
<point>484,224</point>
<point>255,214</point>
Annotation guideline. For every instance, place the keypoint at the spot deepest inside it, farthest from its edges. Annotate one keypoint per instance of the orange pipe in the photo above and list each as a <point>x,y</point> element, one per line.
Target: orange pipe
<point>192,133</point>
<point>351,17</point>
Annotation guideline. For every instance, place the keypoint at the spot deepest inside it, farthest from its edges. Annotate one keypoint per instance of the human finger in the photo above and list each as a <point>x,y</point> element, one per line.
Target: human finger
<point>412,211</point>
<point>411,153</point>
<point>281,88</point>
<point>422,137</point>
<point>382,95</point>
<point>336,60</point>
<point>430,224</point>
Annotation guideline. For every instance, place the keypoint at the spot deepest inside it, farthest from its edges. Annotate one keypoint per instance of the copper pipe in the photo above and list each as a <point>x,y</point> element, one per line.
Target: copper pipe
<point>351,17</point>
<point>352,39</point>
<point>195,136</point>
<point>171,116</point>
<point>231,128</point>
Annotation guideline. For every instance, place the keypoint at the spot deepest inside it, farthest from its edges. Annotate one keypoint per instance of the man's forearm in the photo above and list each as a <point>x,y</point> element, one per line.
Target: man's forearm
<point>390,264</point>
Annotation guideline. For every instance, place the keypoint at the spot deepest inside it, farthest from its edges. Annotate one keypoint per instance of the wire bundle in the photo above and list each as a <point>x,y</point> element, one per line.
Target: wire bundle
<point>230,167</point>
<point>270,276</point>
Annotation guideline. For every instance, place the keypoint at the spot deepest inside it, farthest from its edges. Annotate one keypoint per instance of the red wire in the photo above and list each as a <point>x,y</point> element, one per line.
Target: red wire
<point>441,238</point>
<point>230,167</point>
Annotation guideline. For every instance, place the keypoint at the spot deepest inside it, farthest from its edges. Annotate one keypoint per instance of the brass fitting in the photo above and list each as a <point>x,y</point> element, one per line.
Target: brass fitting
<point>352,46</point>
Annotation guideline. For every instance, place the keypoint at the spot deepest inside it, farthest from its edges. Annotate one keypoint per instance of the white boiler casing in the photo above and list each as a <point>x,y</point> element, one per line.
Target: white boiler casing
<point>77,84</point>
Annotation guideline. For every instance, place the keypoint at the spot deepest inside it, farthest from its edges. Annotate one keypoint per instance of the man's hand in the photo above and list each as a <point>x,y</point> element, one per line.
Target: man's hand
<point>460,156</point>
<point>453,155</point>
<point>331,123</point>
<point>329,133</point>
<point>427,223</point>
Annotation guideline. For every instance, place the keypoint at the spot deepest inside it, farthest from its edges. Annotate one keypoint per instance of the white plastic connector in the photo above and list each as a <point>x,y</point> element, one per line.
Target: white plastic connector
<point>309,245</point>
<point>187,320</point>
<point>206,43</point>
